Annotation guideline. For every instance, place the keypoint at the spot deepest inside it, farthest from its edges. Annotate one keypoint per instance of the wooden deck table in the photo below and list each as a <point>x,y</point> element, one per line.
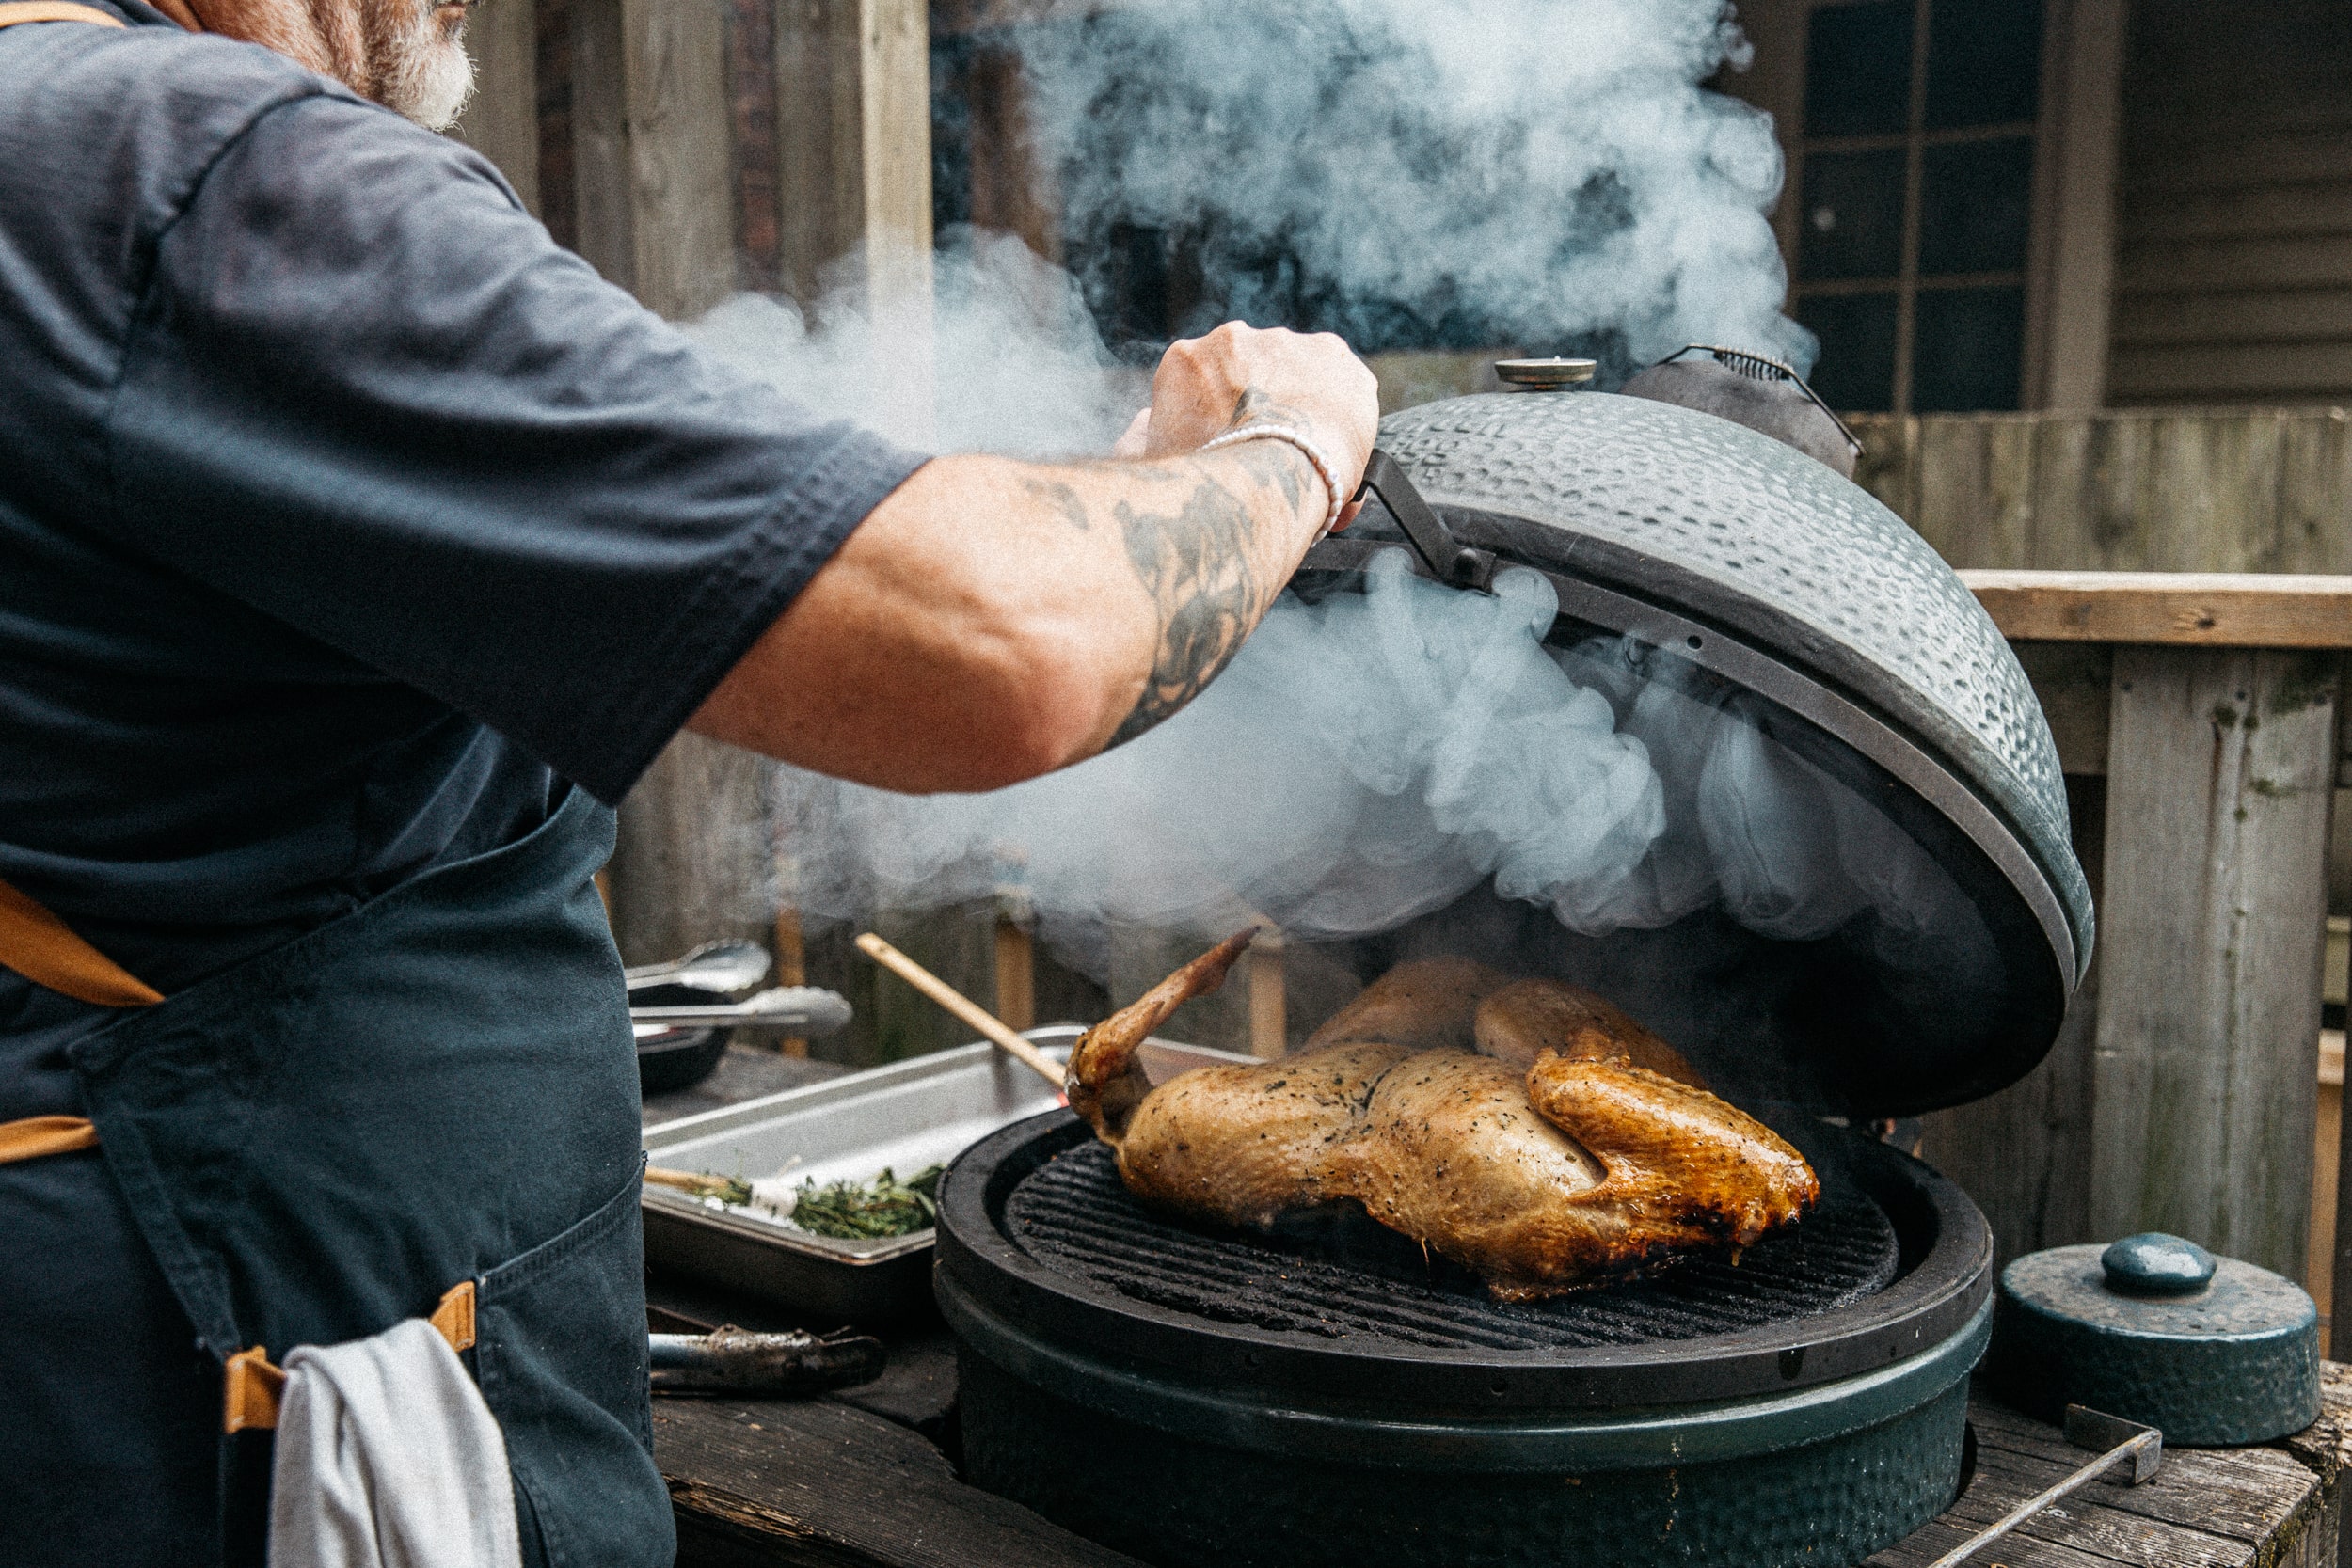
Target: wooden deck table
<point>863,1479</point>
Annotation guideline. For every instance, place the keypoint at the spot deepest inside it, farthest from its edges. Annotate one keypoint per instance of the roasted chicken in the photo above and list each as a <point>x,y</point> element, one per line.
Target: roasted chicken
<point>1571,1145</point>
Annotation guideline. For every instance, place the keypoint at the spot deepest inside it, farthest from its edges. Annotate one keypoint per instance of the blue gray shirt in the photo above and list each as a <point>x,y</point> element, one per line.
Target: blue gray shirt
<point>342,514</point>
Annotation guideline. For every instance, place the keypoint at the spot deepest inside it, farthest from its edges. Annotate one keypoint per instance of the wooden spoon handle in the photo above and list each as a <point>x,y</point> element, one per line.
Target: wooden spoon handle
<point>962,1007</point>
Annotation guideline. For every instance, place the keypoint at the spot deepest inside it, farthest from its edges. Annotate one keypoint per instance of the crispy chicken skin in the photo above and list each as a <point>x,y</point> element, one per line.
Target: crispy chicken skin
<point>1540,1179</point>
<point>1520,1022</point>
<point>1422,1003</point>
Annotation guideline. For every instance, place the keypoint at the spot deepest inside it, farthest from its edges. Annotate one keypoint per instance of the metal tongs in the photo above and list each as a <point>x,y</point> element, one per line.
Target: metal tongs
<point>714,966</point>
<point>806,1010</point>
<point>2142,1446</point>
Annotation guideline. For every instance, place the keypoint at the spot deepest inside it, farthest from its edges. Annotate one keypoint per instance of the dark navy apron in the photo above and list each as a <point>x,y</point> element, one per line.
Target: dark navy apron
<point>439,1087</point>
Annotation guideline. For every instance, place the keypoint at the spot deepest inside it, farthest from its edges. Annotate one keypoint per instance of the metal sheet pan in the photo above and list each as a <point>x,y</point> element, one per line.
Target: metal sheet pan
<point>906,1115</point>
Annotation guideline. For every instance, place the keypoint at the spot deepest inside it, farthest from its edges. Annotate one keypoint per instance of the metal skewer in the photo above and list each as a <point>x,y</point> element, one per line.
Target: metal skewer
<point>2085,1429</point>
<point>970,1012</point>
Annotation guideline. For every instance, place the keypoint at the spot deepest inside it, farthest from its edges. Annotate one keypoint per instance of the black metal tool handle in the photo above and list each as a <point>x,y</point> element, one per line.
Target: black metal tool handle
<point>1448,559</point>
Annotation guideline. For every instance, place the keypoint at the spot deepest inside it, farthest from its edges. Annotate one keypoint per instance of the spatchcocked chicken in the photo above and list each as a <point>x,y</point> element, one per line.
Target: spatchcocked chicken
<point>1528,1129</point>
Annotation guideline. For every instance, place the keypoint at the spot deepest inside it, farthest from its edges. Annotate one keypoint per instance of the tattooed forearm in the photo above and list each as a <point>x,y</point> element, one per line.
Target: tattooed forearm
<point>1197,564</point>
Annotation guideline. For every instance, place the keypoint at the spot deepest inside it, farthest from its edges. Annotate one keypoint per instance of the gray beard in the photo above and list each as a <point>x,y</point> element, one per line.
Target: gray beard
<point>427,75</point>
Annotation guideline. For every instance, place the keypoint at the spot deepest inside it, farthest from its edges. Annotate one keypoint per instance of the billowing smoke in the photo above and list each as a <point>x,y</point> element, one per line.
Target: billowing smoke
<point>1543,173</point>
<point>1372,757</point>
<point>1421,173</point>
<point>1014,364</point>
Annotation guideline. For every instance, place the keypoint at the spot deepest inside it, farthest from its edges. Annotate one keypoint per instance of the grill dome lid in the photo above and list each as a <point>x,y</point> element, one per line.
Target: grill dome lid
<point>1864,655</point>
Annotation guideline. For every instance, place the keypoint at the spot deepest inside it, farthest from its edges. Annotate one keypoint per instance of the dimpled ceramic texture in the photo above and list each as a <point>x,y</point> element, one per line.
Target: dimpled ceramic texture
<point>1181,1503</point>
<point>2236,1362</point>
<point>1704,516</point>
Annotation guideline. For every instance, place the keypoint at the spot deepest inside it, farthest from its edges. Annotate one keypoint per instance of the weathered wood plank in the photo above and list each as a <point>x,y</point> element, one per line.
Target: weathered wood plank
<point>2280,315</point>
<point>501,119</point>
<point>2231,1504</point>
<point>649,149</point>
<point>2243,489</point>
<point>2220,768</point>
<point>816,1482</point>
<point>2191,610</point>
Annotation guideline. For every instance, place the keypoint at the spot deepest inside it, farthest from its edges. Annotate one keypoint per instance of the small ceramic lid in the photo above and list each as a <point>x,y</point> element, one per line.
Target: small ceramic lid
<point>2157,1329</point>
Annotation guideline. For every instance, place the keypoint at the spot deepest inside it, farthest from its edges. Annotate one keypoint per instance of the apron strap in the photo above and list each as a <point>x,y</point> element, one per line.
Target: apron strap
<point>251,1389</point>
<point>42,948</point>
<point>30,1137</point>
<point>36,944</point>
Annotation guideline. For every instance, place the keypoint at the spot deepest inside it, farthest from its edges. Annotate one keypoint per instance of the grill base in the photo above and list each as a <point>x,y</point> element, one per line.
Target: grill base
<point>1181,1503</point>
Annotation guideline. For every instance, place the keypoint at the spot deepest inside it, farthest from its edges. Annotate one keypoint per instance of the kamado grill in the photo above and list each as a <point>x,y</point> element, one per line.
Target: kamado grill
<point>1330,1394</point>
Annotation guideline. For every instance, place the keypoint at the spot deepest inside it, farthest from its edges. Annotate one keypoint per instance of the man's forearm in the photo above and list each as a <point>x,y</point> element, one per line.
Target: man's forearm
<point>1211,541</point>
<point>996,620</point>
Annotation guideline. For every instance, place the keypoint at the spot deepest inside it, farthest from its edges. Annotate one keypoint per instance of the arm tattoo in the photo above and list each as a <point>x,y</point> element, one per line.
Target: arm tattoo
<point>1196,565</point>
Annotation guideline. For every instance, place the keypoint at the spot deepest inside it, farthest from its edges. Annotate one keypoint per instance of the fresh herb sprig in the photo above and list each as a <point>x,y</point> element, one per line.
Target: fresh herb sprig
<point>865,1211</point>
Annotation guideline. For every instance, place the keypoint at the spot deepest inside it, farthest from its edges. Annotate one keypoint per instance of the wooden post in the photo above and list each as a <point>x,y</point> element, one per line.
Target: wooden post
<point>791,951</point>
<point>649,149</point>
<point>853,175</point>
<point>501,119</point>
<point>2220,774</point>
<point>1016,969</point>
<point>1269,1022</point>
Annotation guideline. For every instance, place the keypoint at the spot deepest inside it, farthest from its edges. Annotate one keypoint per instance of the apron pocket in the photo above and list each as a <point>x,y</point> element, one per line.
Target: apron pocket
<point>561,1358</point>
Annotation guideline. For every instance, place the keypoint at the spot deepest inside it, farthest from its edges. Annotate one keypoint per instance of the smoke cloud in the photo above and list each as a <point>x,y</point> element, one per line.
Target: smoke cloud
<point>1018,367</point>
<point>1370,759</point>
<point>1412,173</point>
<point>1423,173</point>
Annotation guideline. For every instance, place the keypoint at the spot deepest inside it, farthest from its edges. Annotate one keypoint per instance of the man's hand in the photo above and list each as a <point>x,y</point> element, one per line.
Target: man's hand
<point>1238,375</point>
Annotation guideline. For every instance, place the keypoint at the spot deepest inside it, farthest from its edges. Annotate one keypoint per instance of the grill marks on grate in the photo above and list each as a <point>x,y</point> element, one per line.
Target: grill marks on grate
<point>1340,1276</point>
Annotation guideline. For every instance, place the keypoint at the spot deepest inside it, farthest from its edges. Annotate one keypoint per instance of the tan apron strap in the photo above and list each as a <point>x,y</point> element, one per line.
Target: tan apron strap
<point>42,948</point>
<point>54,11</point>
<point>251,1387</point>
<point>30,1137</point>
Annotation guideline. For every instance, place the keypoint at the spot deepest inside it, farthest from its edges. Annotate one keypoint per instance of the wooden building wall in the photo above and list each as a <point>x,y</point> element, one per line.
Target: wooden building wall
<point>2233,280</point>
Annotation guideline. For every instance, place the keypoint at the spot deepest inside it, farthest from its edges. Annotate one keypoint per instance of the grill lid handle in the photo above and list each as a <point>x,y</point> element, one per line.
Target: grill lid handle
<point>1448,559</point>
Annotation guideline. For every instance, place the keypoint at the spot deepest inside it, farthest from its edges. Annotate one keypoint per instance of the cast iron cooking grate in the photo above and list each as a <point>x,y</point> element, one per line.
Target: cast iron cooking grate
<point>1342,1277</point>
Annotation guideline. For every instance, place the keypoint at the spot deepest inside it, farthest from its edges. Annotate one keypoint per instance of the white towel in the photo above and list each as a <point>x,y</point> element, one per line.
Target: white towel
<point>388,1458</point>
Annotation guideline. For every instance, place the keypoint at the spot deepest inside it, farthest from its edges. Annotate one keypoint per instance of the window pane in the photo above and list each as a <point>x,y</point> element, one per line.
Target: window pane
<point>1984,62</point>
<point>1852,224</point>
<point>1857,70</point>
<point>1967,350</point>
<point>1974,199</point>
<point>1856,369</point>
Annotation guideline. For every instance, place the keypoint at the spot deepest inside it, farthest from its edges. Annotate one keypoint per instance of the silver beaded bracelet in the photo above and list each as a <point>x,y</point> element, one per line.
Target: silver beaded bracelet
<point>1314,454</point>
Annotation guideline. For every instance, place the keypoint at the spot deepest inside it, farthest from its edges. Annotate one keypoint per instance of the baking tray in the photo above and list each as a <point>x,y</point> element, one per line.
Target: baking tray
<point>921,1112</point>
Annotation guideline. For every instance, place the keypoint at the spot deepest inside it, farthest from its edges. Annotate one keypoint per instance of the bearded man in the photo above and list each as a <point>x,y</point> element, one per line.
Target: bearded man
<point>359,547</point>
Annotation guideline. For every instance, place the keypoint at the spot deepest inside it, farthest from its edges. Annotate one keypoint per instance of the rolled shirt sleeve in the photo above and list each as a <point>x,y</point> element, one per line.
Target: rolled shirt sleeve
<point>367,395</point>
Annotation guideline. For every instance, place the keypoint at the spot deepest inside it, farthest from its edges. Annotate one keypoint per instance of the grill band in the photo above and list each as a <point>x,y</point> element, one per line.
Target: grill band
<point>1620,1440</point>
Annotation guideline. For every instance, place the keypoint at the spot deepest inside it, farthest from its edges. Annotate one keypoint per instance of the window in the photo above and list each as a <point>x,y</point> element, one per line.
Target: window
<point>1914,183</point>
